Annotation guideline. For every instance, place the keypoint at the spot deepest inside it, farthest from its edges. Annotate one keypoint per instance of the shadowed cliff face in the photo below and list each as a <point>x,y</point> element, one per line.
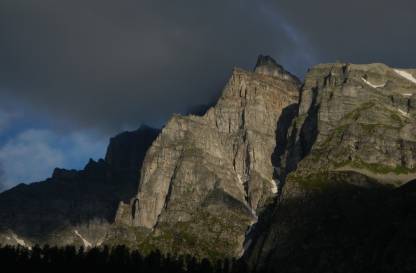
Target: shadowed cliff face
<point>282,140</point>
<point>342,228</point>
<point>207,177</point>
<point>50,211</point>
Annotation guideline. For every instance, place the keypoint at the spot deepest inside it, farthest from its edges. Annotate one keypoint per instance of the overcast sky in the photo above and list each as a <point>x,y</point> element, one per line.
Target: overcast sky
<point>74,72</point>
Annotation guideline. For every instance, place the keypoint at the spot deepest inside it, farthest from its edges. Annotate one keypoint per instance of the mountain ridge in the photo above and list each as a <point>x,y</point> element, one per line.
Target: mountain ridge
<point>49,211</point>
<point>276,164</point>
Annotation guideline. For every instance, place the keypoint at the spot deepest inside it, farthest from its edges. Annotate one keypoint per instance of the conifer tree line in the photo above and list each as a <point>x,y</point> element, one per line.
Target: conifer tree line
<point>117,259</point>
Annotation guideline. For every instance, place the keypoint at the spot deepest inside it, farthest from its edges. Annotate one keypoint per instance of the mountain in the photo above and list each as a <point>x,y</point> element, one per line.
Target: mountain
<point>205,179</point>
<point>339,150</point>
<point>347,204</point>
<point>288,176</point>
<point>71,203</point>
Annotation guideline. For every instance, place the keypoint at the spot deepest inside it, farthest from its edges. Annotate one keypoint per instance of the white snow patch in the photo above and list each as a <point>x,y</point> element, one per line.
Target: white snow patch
<point>20,241</point>
<point>373,85</point>
<point>274,185</point>
<point>406,75</point>
<point>403,112</point>
<point>84,241</point>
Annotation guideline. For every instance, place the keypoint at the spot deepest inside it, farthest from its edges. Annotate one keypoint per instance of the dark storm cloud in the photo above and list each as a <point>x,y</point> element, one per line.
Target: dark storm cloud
<point>111,64</point>
<point>105,63</point>
<point>355,30</point>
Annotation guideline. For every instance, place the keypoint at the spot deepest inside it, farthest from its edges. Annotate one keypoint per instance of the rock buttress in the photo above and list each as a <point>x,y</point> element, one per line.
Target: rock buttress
<point>205,178</point>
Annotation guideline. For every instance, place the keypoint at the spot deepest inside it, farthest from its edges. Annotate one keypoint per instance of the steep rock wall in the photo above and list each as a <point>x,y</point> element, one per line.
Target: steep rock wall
<point>216,168</point>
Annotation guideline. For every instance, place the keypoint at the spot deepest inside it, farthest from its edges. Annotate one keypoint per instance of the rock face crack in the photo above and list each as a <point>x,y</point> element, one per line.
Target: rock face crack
<point>169,193</point>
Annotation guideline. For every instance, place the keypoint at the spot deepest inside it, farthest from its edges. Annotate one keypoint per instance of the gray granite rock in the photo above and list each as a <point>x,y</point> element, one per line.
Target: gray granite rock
<point>217,168</point>
<point>350,145</point>
<point>356,117</point>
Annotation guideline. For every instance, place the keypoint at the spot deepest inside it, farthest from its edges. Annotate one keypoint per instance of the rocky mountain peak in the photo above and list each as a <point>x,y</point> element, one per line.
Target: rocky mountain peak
<point>266,60</point>
<point>214,169</point>
<point>266,65</point>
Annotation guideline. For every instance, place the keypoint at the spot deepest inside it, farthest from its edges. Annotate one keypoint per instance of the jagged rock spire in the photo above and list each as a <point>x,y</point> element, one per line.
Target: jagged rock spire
<point>265,62</point>
<point>266,65</point>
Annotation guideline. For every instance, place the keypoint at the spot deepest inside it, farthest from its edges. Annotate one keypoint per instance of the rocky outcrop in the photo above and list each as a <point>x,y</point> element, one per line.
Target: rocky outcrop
<point>204,179</point>
<point>83,201</point>
<point>350,144</point>
<point>359,118</point>
<point>266,65</point>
